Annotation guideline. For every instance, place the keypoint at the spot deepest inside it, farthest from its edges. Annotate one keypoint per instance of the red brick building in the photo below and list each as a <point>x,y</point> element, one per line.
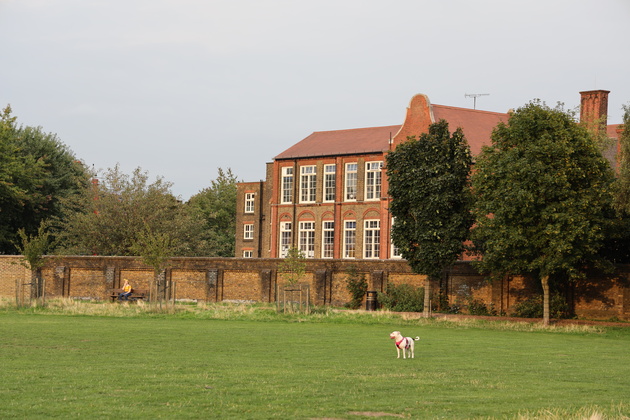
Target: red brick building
<point>327,194</point>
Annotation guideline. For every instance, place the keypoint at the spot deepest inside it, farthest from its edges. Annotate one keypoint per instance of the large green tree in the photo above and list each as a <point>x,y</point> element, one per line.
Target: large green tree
<point>116,210</point>
<point>431,200</point>
<point>543,198</point>
<point>216,205</point>
<point>622,187</point>
<point>37,171</point>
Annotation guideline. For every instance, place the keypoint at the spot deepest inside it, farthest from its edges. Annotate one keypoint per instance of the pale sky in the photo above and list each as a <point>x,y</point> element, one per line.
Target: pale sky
<point>183,87</point>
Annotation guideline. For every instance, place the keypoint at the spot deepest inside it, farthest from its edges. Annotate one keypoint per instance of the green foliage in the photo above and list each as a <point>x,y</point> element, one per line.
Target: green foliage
<point>533,307</point>
<point>402,298</point>
<point>34,247</point>
<point>294,264</point>
<point>110,216</point>
<point>429,186</point>
<point>478,307</point>
<point>37,172</point>
<point>216,207</point>
<point>622,186</point>
<point>357,286</point>
<point>155,248</point>
<point>543,196</point>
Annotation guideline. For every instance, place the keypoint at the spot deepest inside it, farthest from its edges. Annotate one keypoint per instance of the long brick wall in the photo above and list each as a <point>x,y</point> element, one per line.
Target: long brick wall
<point>246,279</point>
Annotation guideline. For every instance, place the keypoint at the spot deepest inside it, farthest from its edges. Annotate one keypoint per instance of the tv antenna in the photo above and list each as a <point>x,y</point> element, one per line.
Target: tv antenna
<point>475,96</point>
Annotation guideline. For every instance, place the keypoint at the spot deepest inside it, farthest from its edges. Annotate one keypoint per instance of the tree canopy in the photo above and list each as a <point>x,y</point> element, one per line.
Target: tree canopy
<point>430,191</point>
<point>543,197</point>
<point>117,209</point>
<point>216,206</point>
<point>37,172</point>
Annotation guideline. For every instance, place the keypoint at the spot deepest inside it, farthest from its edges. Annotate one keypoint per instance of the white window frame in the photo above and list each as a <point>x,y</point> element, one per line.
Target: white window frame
<point>286,236</point>
<point>250,200</point>
<point>286,185</point>
<point>248,253</point>
<point>308,184</point>
<point>395,251</point>
<point>306,239</point>
<point>349,238</point>
<point>351,181</point>
<point>248,231</point>
<point>371,239</point>
<point>373,180</point>
<point>328,239</point>
<point>330,183</point>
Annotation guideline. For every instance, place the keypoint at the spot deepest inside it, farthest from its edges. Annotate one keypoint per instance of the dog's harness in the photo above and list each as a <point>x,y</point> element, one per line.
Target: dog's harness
<point>405,346</point>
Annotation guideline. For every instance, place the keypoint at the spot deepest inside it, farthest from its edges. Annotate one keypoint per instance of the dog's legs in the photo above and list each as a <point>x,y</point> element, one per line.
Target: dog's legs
<point>398,352</point>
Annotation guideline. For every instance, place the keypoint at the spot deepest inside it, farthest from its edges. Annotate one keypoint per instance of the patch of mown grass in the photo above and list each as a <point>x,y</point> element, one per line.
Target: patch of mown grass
<point>246,361</point>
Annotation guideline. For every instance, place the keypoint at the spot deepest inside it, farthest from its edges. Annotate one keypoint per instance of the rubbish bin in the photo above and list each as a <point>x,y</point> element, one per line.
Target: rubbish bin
<point>370,300</point>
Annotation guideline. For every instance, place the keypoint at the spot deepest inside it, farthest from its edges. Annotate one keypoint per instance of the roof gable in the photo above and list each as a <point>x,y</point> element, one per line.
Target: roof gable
<point>477,126</point>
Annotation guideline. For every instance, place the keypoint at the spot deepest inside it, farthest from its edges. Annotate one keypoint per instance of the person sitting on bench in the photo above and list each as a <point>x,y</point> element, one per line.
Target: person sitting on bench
<point>126,291</point>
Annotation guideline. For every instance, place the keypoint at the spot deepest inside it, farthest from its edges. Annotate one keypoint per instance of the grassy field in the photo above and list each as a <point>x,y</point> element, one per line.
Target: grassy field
<point>248,362</point>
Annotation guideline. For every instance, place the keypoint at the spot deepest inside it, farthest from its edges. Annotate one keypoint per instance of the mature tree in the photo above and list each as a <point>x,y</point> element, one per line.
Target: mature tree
<point>543,198</point>
<point>431,200</point>
<point>216,205</point>
<point>37,171</point>
<point>622,187</point>
<point>110,216</point>
<point>617,247</point>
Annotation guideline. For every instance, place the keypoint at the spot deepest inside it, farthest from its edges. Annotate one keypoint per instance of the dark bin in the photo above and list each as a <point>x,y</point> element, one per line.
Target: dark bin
<point>370,300</point>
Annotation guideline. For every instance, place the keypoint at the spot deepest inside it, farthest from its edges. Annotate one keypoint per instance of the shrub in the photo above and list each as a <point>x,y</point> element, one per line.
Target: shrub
<point>533,307</point>
<point>357,286</point>
<point>477,307</point>
<point>402,298</point>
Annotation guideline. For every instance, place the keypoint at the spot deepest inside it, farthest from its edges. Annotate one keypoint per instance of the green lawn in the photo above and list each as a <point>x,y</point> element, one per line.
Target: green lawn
<point>68,366</point>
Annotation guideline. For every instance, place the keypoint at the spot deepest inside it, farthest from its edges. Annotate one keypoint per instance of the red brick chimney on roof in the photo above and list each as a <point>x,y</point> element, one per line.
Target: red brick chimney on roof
<point>594,109</point>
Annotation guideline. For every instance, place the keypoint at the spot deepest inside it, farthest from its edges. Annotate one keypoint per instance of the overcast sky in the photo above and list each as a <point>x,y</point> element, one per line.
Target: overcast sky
<point>183,87</point>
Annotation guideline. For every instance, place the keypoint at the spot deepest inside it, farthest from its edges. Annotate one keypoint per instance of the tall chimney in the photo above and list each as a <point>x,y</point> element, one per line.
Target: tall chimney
<point>594,109</point>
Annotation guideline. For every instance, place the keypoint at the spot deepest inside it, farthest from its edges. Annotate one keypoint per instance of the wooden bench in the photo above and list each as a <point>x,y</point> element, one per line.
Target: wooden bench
<point>136,295</point>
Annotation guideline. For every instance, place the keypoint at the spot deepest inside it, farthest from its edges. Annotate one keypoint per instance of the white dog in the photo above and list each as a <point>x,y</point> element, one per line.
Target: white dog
<point>406,344</point>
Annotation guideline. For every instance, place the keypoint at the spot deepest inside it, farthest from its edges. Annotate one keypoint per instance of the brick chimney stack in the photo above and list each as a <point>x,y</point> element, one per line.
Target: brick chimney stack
<point>594,109</point>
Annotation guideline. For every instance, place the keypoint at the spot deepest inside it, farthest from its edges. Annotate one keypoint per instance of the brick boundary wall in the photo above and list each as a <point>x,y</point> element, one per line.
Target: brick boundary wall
<point>248,279</point>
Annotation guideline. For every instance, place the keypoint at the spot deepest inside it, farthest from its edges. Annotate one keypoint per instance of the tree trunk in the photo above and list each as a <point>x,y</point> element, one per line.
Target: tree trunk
<point>545,285</point>
<point>427,297</point>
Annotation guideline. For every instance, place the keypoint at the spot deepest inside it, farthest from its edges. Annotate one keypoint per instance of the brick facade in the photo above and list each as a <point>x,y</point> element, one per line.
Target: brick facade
<point>251,279</point>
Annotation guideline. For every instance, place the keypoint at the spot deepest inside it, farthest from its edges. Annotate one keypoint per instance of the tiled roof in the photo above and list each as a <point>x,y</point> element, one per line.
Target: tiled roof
<point>611,130</point>
<point>342,142</point>
<point>477,125</point>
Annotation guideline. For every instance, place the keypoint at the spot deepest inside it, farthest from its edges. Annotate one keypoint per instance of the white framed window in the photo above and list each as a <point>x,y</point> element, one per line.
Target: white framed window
<point>248,253</point>
<point>372,239</point>
<point>307,239</point>
<point>308,178</point>
<point>328,239</point>
<point>351,182</point>
<point>330,182</point>
<point>394,249</point>
<point>373,179</point>
<point>286,195</point>
<point>349,238</point>
<point>249,202</point>
<point>285,238</point>
<point>248,231</point>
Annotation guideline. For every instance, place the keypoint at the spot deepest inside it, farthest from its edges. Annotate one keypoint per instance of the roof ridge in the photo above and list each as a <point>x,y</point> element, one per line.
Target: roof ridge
<point>468,109</point>
<point>360,128</point>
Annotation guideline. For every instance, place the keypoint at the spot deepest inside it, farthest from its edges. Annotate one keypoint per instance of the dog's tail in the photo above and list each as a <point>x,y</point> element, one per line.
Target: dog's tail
<point>417,338</point>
